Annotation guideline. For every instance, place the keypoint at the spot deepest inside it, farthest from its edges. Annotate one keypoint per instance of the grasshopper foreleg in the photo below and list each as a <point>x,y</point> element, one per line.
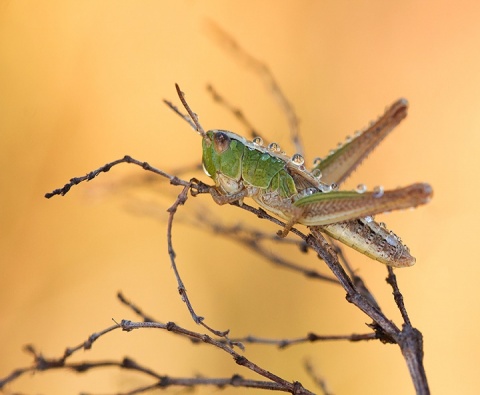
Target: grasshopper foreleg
<point>222,199</point>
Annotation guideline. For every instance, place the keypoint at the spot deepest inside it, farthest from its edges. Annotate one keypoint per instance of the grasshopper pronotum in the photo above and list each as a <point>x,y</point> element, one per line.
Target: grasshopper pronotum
<point>282,185</point>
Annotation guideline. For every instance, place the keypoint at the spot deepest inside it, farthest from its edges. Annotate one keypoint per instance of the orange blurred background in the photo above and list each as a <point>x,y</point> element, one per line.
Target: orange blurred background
<point>82,84</point>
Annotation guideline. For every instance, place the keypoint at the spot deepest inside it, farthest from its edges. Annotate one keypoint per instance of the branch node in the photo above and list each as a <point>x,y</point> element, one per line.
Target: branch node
<point>240,359</point>
<point>126,325</point>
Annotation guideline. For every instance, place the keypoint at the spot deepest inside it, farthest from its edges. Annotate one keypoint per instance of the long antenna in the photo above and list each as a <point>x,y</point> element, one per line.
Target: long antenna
<point>193,116</point>
<point>185,117</point>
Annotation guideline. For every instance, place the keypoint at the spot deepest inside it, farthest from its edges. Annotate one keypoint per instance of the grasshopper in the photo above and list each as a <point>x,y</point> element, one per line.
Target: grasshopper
<point>282,185</point>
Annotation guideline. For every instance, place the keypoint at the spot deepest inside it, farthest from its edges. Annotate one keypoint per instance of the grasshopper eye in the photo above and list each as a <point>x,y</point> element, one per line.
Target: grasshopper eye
<point>221,142</point>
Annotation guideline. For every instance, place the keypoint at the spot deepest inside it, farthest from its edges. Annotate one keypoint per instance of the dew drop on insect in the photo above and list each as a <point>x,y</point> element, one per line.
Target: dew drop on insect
<point>274,147</point>
<point>326,188</point>
<point>369,219</point>
<point>361,188</point>
<point>317,173</point>
<point>378,191</point>
<point>333,186</point>
<point>298,160</point>
<point>265,157</point>
<point>205,170</point>
<point>317,161</point>
<point>391,240</point>
<point>258,141</point>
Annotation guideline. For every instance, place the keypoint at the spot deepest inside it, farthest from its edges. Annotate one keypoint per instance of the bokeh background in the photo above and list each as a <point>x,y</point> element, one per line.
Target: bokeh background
<point>82,83</point>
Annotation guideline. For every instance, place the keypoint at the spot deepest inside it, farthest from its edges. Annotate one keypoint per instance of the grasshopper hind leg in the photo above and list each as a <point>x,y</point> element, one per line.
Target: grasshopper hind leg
<point>371,239</point>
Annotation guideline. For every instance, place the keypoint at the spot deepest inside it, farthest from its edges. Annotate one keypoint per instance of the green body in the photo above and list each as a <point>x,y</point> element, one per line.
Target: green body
<point>238,164</point>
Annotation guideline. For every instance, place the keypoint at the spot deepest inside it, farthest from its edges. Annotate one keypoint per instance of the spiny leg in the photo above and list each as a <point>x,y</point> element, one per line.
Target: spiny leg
<point>336,206</point>
<point>336,167</point>
<point>363,233</point>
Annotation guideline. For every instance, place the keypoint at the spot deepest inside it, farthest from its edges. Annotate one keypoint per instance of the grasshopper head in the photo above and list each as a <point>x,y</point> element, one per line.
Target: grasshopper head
<point>222,150</point>
<point>223,154</point>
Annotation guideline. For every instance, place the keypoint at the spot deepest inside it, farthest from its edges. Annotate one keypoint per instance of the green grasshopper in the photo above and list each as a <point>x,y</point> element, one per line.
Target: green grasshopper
<point>283,186</point>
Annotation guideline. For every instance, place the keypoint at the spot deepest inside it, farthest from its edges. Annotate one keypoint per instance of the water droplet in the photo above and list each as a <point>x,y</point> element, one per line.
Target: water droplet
<point>378,191</point>
<point>274,147</point>
<point>326,188</point>
<point>333,186</point>
<point>298,160</point>
<point>391,239</point>
<point>317,161</point>
<point>317,173</point>
<point>361,188</point>
<point>369,219</point>
<point>265,157</point>
<point>205,170</point>
<point>258,141</point>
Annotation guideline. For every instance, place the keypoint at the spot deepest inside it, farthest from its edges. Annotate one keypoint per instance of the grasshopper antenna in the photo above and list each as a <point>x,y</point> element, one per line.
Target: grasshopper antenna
<point>185,117</point>
<point>193,116</point>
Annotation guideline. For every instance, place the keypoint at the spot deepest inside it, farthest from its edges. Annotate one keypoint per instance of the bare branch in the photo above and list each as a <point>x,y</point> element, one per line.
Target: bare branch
<point>182,197</point>
<point>105,168</point>
<point>397,296</point>
<point>276,384</point>
<point>294,388</point>
<point>322,384</point>
<point>309,338</point>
